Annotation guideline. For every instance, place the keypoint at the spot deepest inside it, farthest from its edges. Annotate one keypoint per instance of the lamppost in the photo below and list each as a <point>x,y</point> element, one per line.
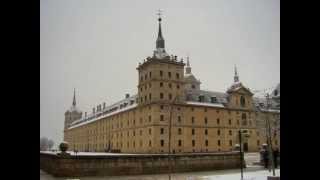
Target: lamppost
<point>169,136</point>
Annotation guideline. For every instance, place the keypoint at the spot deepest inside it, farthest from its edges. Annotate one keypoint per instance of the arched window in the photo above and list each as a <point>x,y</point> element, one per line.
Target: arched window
<point>242,101</point>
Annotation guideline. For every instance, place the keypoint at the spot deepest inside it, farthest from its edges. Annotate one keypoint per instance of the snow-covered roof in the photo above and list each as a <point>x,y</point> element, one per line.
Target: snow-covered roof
<point>123,105</point>
<point>205,104</point>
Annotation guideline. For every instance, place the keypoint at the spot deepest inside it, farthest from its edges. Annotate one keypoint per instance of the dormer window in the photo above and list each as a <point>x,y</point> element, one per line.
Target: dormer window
<point>213,99</point>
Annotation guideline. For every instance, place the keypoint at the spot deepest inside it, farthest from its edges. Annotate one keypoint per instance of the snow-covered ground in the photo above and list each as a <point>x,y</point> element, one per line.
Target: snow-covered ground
<point>210,175</point>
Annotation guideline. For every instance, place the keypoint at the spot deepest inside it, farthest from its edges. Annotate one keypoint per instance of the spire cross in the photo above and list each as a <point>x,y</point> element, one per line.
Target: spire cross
<point>159,13</point>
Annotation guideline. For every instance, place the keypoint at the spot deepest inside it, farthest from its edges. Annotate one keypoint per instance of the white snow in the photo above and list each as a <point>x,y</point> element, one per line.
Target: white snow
<point>205,104</point>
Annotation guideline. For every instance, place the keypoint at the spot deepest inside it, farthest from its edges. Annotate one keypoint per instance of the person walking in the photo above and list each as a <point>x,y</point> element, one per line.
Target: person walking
<point>266,159</point>
<point>275,157</point>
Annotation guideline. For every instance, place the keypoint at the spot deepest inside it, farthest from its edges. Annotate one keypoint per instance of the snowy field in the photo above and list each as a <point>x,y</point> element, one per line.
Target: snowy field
<point>211,175</point>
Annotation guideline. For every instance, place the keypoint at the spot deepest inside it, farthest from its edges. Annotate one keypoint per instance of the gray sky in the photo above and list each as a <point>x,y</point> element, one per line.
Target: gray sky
<point>96,45</point>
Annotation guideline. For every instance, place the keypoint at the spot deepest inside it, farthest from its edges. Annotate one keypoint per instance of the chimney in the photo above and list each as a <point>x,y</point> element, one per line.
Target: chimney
<point>127,96</point>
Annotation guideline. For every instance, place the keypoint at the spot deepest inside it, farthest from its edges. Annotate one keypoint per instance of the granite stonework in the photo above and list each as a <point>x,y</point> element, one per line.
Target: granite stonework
<point>105,165</point>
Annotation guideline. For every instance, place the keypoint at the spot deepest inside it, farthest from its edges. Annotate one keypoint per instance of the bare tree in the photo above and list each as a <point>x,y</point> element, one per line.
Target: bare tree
<point>50,144</point>
<point>43,143</point>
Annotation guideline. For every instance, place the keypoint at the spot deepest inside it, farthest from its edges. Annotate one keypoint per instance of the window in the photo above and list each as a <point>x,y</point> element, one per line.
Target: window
<point>141,89</point>
<point>192,132</point>
<point>150,74</point>
<point>169,74</point>
<point>161,84</point>
<point>134,133</point>
<point>207,143</point>
<point>258,143</point>
<point>192,109</point>
<point>145,77</point>
<point>170,85</point>
<point>213,99</point>
<point>242,101</point>
<point>201,98</point>
<point>205,109</point>
<point>161,73</point>
<point>218,121</point>
<point>230,132</point>
<point>192,120</point>
<point>179,119</point>
<point>150,131</point>
<point>244,119</point>
<point>193,143</point>
<point>161,95</point>
<point>161,118</point>
<point>161,131</point>
<point>149,143</point>
<point>177,75</point>
<point>141,78</point>
<point>140,132</point>
<point>179,131</point>
<point>161,142</point>
<point>149,118</point>
<point>218,132</point>
<point>161,107</point>
<point>238,122</point>
<point>230,142</point>
<point>170,96</point>
<point>150,97</point>
<point>145,98</point>
<point>193,86</point>
<point>206,120</point>
<point>178,87</point>
<point>229,121</point>
<point>206,131</point>
<point>179,143</point>
<point>219,143</point>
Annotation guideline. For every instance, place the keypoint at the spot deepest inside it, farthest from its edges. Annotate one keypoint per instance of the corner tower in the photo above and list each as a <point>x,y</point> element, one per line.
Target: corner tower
<point>73,113</point>
<point>160,76</point>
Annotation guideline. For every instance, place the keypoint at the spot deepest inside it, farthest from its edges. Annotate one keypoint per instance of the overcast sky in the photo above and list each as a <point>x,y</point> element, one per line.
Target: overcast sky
<point>96,45</point>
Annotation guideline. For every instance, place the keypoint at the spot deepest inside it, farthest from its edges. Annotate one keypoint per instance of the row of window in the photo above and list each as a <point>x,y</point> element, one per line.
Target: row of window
<point>193,131</point>
<point>160,73</point>
<point>161,85</point>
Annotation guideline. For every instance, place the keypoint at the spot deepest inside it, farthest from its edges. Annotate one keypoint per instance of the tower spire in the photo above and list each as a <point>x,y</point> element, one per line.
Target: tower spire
<point>74,97</point>
<point>236,77</point>
<point>160,40</point>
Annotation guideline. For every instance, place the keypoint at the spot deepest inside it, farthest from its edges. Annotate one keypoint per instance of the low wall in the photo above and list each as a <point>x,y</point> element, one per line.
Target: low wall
<point>113,165</point>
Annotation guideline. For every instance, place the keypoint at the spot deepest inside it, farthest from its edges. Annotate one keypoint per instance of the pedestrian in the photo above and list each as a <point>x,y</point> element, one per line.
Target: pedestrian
<point>275,157</point>
<point>266,159</point>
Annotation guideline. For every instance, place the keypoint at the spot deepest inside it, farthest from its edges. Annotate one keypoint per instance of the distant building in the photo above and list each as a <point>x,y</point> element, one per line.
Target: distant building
<point>202,121</point>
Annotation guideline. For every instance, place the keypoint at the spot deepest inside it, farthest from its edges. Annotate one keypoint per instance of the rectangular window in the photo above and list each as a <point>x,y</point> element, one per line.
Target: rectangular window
<point>161,84</point>
<point>169,74</point>
<point>192,132</point>
<point>206,120</point>
<point>150,131</point>
<point>149,143</point>
<point>229,121</point>
<point>150,96</point>
<point>161,118</point>
<point>230,143</point>
<point>161,95</point>
<point>213,99</point>
<point>179,131</point>
<point>179,119</point>
<point>161,131</point>
<point>230,132</point>
<point>161,142</point>
<point>177,75</point>
<point>218,132</point>
<point>207,143</point>
<point>179,143</point>
<point>161,73</point>
<point>193,143</point>
<point>218,121</point>
<point>170,96</point>
<point>150,74</point>
<point>149,118</point>
<point>206,131</point>
<point>161,107</point>
<point>258,143</point>
<point>192,120</point>
<point>219,143</point>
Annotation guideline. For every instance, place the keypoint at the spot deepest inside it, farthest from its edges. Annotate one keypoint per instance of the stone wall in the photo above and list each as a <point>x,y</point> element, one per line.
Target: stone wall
<point>111,165</point>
